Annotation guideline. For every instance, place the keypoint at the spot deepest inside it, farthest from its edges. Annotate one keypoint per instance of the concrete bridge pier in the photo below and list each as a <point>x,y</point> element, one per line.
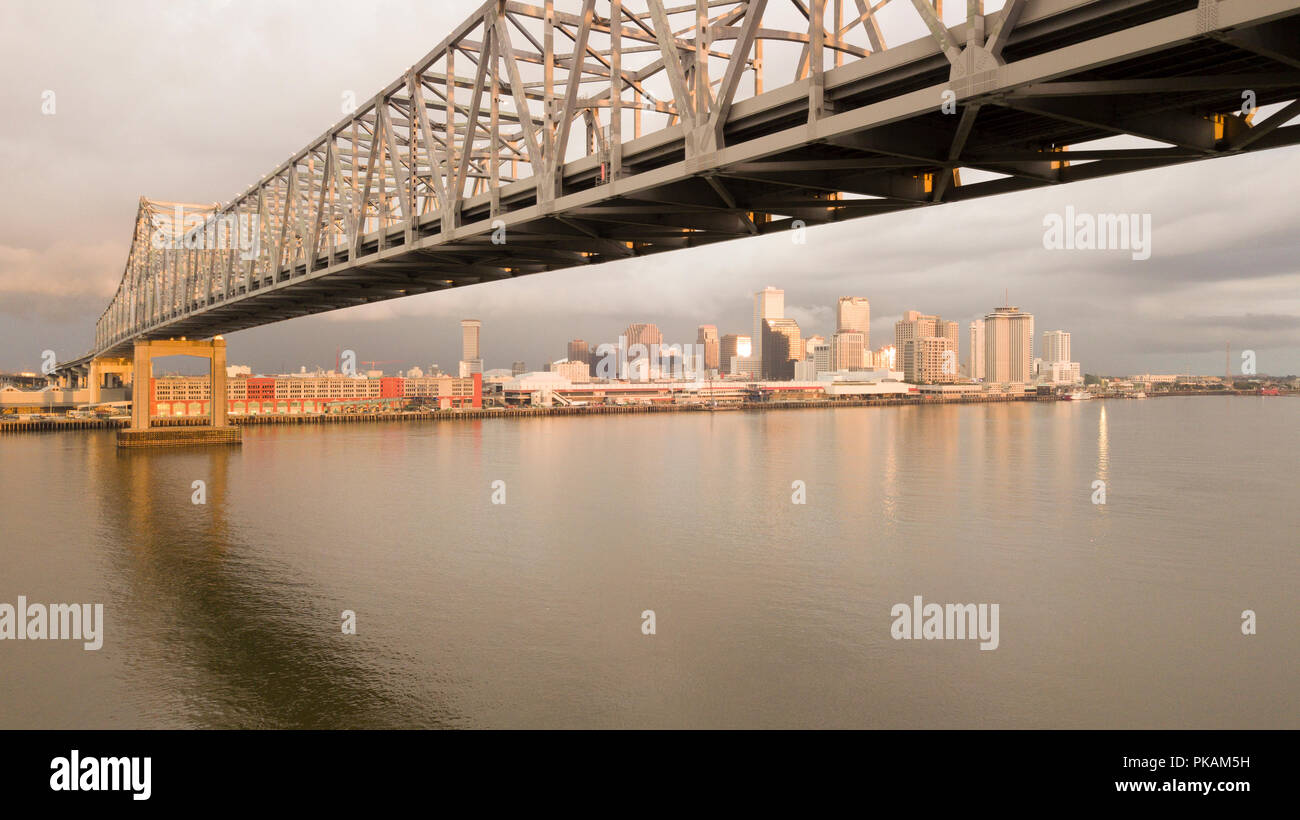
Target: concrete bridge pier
<point>121,370</point>
<point>217,431</point>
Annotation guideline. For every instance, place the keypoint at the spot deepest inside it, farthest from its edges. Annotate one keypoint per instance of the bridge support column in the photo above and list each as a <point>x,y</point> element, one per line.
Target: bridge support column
<point>218,430</point>
<point>107,366</point>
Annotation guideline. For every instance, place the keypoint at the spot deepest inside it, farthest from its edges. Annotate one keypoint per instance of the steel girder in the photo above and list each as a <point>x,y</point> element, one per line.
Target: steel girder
<point>468,168</point>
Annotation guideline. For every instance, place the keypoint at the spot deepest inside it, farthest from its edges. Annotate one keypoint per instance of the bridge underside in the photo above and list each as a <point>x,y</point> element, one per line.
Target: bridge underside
<point>883,140</point>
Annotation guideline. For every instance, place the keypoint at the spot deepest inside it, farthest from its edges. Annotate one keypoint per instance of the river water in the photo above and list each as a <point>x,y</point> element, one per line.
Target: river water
<point>767,613</point>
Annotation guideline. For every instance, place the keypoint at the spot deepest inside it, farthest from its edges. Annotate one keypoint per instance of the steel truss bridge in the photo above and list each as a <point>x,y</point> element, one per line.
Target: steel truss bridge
<point>543,136</point>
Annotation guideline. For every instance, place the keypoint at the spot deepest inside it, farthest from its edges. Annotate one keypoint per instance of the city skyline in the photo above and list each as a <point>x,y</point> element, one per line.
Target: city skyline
<point>967,340</point>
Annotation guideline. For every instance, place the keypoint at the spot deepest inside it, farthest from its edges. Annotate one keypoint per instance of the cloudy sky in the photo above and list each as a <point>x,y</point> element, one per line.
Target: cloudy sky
<point>192,101</point>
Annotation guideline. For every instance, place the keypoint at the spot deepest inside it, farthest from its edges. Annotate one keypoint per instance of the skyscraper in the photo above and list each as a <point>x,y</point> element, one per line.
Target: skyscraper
<point>887,358</point>
<point>1056,346</point>
<point>781,349</point>
<point>854,314</point>
<point>1055,366</point>
<point>642,364</point>
<point>579,351</point>
<point>975,358</point>
<point>1008,345</point>
<point>925,362</point>
<point>769,303</point>
<point>930,360</point>
<point>707,337</point>
<point>469,330</point>
<point>916,325</point>
<point>734,347</point>
<point>848,350</point>
<point>643,334</point>
<point>471,360</point>
<point>517,369</point>
<point>821,355</point>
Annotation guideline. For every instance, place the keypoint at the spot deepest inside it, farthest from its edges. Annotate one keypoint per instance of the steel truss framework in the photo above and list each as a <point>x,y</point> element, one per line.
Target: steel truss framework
<point>506,150</point>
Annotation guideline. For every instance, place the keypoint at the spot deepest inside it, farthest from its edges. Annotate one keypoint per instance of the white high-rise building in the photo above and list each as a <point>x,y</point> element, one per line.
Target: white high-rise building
<point>769,303</point>
<point>469,330</point>
<point>471,361</point>
<point>1055,366</point>
<point>975,368</point>
<point>854,314</point>
<point>1009,346</point>
<point>1056,346</point>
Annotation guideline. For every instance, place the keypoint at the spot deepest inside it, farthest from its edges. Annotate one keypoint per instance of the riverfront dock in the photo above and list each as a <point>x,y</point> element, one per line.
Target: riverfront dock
<point>121,423</point>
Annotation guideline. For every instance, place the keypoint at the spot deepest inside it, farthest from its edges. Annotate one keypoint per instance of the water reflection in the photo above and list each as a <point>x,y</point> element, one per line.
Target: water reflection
<point>243,642</point>
<point>770,614</point>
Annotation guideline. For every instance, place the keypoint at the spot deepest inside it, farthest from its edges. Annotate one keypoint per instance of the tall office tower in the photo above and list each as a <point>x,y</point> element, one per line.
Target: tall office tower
<point>769,303</point>
<point>848,350</point>
<point>781,349</point>
<point>810,343</point>
<point>469,330</point>
<point>1056,346</point>
<point>643,334</point>
<point>886,358</point>
<point>734,347</point>
<point>707,337</point>
<point>975,358</point>
<point>579,351</point>
<point>854,313</point>
<point>1055,365</point>
<point>916,325</point>
<point>821,356</point>
<point>1008,345</point>
<point>642,364</point>
<point>930,360</point>
<point>517,369</point>
<point>948,330</point>
<point>471,360</point>
<point>913,325</point>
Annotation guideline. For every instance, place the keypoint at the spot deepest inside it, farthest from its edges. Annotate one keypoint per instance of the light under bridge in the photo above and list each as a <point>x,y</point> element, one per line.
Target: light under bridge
<point>544,136</point>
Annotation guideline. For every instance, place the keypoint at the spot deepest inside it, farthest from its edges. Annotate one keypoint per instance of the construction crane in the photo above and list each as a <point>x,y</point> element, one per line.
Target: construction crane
<point>374,362</point>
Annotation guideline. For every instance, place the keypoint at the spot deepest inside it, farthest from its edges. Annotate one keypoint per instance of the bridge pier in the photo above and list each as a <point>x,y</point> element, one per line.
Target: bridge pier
<point>218,430</point>
<point>107,366</point>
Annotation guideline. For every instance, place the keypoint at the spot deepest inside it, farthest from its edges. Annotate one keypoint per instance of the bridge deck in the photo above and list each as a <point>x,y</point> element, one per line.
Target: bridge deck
<point>870,136</point>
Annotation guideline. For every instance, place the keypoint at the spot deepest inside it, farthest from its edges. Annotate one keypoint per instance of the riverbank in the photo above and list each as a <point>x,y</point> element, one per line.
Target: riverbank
<point>41,425</point>
<point>48,425</point>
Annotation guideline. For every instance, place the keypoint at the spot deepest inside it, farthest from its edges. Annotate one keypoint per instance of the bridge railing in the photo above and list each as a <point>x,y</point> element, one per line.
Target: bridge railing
<point>524,111</point>
<point>498,108</point>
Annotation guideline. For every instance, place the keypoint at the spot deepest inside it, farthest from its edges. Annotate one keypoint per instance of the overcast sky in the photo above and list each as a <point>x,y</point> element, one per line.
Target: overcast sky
<point>193,101</point>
